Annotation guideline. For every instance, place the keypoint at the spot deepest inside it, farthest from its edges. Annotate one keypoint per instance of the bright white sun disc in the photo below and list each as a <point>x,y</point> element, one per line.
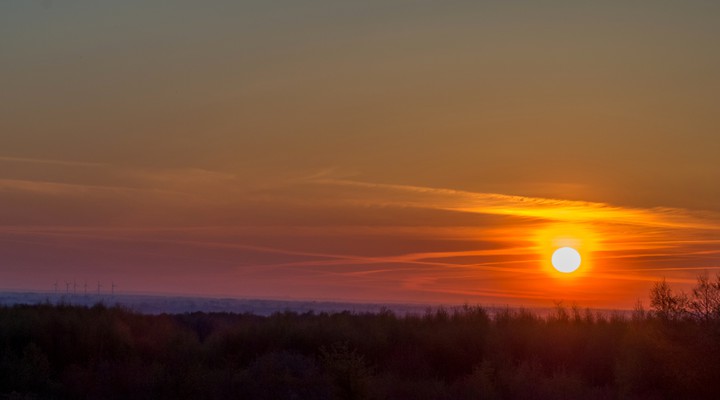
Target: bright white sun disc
<point>566,259</point>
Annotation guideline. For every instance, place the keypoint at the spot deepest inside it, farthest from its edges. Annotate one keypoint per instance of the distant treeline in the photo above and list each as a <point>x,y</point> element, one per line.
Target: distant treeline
<point>671,351</point>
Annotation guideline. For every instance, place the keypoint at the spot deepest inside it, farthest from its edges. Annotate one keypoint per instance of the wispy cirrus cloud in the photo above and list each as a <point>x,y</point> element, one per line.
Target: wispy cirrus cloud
<point>45,161</point>
<point>390,241</point>
<point>524,206</point>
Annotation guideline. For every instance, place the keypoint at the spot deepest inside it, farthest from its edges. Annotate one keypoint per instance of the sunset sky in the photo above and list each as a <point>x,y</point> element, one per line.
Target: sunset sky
<point>381,151</point>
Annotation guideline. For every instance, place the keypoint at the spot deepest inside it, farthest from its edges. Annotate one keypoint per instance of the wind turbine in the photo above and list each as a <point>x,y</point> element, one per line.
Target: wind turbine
<point>98,289</point>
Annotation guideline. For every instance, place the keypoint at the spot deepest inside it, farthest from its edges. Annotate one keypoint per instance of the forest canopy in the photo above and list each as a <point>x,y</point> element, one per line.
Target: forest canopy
<point>669,351</point>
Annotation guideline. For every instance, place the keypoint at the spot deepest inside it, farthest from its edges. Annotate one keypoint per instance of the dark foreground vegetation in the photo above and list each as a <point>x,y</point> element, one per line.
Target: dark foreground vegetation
<point>62,351</point>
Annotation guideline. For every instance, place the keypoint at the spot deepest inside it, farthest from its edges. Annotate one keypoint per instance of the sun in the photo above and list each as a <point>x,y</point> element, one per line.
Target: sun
<point>563,247</point>
<point>566,260</point>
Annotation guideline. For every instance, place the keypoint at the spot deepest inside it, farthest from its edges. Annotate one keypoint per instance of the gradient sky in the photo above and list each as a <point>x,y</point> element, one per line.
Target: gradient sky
<point>409,151</point>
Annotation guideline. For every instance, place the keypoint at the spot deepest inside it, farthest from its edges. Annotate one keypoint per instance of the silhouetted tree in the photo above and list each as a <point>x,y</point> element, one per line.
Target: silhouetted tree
<point>667,305</point>
<point>702,305</point>
<point>705,303</point>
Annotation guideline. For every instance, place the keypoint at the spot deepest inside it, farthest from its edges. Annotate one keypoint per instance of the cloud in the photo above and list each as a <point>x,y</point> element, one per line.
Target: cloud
<point>392,241</point>
<point>524,207</point>
<point>57,188</point>
<point>50,162</point>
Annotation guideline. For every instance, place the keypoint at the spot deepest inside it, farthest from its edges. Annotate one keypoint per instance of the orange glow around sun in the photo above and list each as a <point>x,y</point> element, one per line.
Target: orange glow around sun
<point>578,237</point>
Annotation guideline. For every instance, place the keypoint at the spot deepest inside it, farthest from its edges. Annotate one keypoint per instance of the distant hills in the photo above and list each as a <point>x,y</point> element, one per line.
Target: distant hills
<point>158,304</point>
<point>168,304</point>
